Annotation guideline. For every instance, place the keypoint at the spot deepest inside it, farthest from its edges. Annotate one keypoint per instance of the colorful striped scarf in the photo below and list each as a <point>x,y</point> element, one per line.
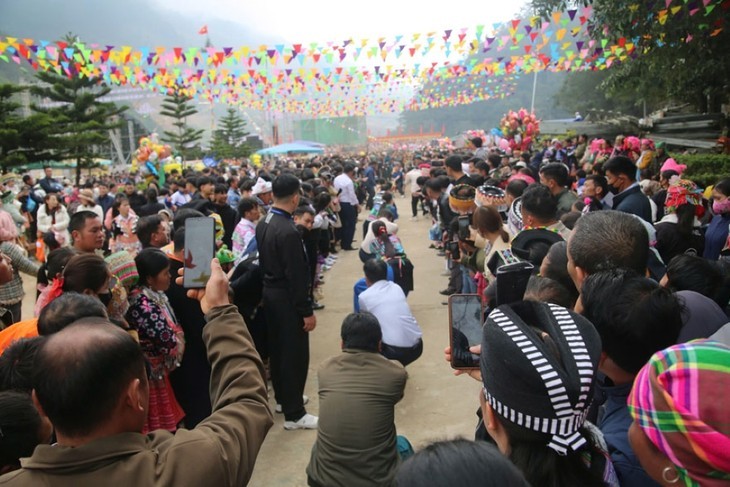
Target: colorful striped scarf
<point>680,401</point>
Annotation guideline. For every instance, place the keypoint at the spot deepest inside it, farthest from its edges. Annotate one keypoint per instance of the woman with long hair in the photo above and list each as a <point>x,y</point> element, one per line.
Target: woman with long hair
<point>124,227</point>
<point>160,337</point>
<point>679,231</point>
<point>53,217</point>
<point>488,222</point>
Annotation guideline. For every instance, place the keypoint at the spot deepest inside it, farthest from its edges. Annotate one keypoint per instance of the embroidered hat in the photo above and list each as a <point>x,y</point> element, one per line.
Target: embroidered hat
<point>538,364</point>
<point>121,265</point>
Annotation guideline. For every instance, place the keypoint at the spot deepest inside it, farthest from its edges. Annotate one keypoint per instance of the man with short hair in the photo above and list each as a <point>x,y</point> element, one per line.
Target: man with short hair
<point>205,187</point>
<point>228,215</point>
<point>181,197</point>
<point>151,232</point>
<point>91,382</point>
<point>556,177</point>
<point>455,171</point>
<point>621,176</point>
<point>245,231</point>
<point>87,231</point>
<point>596,188</point>
<point>385,299</point>
<point>49,184</point>
<point>233,196</point>
<point>606,240</point>
<point>286,302</point>
<point>635,318</point>
<point>105,200</point>
<point>136,200</point>
<point>540,210</point>
<point>358,391</point>
<point>349,205</point>
<point>411,182</point>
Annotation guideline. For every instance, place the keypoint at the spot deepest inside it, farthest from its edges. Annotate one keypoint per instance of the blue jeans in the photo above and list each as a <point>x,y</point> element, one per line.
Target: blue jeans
<point>468,286</point>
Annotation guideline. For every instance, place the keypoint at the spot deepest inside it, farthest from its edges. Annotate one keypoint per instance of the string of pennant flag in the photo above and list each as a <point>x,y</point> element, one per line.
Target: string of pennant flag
<point>362,76</point>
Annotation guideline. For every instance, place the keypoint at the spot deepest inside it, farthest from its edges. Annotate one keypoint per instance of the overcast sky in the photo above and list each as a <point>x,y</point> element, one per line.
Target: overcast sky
<point>325,20</point>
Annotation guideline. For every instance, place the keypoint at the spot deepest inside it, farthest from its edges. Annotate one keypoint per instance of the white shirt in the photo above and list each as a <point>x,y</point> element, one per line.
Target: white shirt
<point>387,302</point>
<point>344,183</point>
<point>178,199</point>
<point>411,178</point>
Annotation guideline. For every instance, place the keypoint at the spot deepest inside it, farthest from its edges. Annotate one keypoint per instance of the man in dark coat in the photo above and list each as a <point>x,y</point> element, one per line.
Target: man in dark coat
<point>621,176</point>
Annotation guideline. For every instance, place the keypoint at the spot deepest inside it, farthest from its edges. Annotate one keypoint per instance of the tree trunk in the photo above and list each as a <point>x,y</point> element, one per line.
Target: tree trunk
<point>78,171</point>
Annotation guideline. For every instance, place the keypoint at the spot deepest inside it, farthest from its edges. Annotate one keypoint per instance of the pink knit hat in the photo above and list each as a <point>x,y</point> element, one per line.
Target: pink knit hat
<point>671,165</point>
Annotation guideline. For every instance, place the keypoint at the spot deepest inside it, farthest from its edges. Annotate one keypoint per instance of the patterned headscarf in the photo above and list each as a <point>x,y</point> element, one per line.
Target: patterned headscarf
<point>680,401</point>
<point>683,192</point>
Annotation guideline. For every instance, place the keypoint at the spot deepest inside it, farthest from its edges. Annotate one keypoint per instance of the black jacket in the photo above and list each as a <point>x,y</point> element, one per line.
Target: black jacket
<point>633,201</point>
<point>283,260</point>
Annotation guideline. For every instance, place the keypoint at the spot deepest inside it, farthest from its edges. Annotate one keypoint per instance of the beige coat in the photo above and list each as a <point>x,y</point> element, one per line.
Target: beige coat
<point>220,451</point>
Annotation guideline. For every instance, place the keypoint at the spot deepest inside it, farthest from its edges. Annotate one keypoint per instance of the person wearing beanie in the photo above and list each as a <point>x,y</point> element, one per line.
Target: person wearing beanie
<point>679,404</point>
<point>538,364</point>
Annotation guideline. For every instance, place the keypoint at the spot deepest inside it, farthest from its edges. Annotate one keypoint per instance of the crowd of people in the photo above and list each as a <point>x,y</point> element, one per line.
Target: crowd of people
<point>609,371</point>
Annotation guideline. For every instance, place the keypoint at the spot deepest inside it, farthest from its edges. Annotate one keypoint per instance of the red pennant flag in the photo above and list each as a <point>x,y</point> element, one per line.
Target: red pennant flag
<point>203,30</point>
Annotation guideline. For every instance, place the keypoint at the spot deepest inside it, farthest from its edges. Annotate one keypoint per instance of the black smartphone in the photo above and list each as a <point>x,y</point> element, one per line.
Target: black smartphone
<point>512,282</point>
<point>466,317</point>
<point>199,251</point>
<point>464,232</point>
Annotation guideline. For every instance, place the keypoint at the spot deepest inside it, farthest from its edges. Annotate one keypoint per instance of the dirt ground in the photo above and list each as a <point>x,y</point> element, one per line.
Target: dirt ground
<point>436,404</point>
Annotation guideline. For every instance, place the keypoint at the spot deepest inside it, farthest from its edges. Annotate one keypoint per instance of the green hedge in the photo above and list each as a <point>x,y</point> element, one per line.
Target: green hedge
<point>705,169</point>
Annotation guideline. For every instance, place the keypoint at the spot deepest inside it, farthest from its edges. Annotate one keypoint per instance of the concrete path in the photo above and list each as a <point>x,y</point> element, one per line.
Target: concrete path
<point>436,404</point>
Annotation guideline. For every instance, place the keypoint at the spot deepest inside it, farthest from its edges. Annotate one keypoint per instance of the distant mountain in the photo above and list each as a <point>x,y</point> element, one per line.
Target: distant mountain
<point>130,22</point>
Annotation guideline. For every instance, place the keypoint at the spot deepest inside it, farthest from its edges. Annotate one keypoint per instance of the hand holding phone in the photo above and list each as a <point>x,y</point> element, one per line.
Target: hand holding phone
<point>466,316</point>
<point>198,252</point>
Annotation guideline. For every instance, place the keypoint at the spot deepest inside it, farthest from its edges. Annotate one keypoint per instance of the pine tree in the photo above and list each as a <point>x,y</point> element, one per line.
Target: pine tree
<point>177,106</point>
<point>81,120</point>
<point>228,138</point>
<point>22,139</point>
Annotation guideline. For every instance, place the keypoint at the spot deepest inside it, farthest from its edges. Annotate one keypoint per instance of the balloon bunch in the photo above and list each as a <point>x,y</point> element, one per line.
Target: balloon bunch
<point>476,134</point>
<point>153,154</point>
<point>519,128</point>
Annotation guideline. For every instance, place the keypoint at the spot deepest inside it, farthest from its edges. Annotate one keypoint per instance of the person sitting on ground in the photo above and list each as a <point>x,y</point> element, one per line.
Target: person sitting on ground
<point>459,462</point>
<point>358,391</point>
<point>635,318</point>
<point>680,432</point>
<point>556,177</point>
<point>401,334</point>
<point>104,407</point>
<point>621,175</point>
<point>385,216</point>
<point>389,248</point>
<point>538,364</point>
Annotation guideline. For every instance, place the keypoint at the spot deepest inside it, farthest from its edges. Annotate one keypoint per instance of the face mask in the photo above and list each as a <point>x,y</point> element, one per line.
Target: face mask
<point>721,207</point>
<point>105,298</point>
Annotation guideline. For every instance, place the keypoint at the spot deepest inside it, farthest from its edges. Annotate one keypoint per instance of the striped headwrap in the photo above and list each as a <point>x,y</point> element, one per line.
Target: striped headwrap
<point>681,401</point>
<point>538,362</point>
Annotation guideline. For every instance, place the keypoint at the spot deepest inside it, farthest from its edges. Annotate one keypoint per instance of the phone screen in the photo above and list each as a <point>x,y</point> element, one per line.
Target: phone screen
<point>465,323</point>
<point>199,250</point>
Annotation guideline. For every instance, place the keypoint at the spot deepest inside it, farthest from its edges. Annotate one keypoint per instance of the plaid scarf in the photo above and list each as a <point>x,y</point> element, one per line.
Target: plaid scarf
<point>680,401</point>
